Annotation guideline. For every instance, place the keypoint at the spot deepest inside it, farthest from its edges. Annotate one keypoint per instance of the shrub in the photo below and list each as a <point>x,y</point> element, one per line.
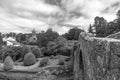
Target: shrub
<point>52,57</point>
<point>8,63</point>
<point>37,52</point>
<point>26,49</point>
<point>51,44</point>
<point>44,62</point>
<point>29,59</point>
<point>61,62</point>
<point>48,52</point>
<point>61,41</point>
<point>65,51</point>
<point>15,52</point>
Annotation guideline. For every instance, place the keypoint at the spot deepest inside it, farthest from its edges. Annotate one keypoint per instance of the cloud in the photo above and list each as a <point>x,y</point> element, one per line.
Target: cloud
<point>24,15</point>
<point>89,9</point>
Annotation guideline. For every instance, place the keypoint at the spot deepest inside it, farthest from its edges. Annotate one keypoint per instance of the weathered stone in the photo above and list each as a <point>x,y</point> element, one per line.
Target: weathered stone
<point>115,35</point>
<point>101,58</point>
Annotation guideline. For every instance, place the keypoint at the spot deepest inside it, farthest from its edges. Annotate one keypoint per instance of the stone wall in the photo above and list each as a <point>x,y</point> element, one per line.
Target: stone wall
<point>101,59</point>
<point>115,35</point>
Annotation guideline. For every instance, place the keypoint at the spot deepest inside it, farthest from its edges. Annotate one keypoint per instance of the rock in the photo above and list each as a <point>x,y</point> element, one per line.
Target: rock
<point>100,56</point>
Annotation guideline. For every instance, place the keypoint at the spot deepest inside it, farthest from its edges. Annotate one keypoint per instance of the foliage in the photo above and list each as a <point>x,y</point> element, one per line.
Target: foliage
<point>73,34</point>
<point>62,47</point>
<point>61,41</point>
<point>48,52</point>
<point>44,62</point>
<point>54,47</point>
<point>102,28</point>
<point>45,37</point>
<point>90,30</point>
<point>63,70</point>
<point>11,34</point>
<point>29,59</point>
<point>23,37</point>
<point>64,51</point>
<point>37,52</point>
<point>61,62</point>
<point>8,63</point>
<point>58,50</point>
<point>1,41</point>
<point>51,44</point>
<point>15,52</point>
<point>26,49</point>
<point>118,14</point>
<point>18,37</point>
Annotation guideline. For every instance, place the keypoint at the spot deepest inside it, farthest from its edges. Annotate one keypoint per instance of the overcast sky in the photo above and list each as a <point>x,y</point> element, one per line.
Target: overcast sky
<point>24,15</point>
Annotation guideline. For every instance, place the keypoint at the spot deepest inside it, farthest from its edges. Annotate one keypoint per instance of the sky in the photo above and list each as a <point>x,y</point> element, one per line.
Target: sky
<point>24,15</point>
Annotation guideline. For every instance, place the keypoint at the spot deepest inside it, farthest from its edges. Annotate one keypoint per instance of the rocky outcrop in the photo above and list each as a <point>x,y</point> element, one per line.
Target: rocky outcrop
<point>100,57</point>
<point>115,35</point>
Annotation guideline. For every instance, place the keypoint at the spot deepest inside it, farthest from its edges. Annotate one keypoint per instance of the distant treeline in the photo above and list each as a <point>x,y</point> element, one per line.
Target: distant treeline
<point>45,36</point>
<point>102,28</point>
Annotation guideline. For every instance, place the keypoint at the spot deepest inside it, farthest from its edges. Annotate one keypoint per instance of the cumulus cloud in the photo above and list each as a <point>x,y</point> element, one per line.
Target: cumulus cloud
<point>24,15</point>
<point>89,9</point>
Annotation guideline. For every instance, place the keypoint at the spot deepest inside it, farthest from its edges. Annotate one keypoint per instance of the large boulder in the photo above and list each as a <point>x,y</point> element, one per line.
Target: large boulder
<point>100,56</point>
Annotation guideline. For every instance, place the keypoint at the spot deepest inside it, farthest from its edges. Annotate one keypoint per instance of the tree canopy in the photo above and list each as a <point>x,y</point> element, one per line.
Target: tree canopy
<point>102,28</point>
<point>73,34</point>
<point>45,37</point>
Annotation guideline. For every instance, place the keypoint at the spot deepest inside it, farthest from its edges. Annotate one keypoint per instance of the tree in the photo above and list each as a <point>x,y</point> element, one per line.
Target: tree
<point>103,28</point>
<point>18,37</point>
<point>73,34</point>
<point>111,28</point>
<point>100,27</point>
<point>12,34</point>
<point>61,41</point>
<point>114,26</point>
<point>118,14</point>
<point>23,37</point>
<point>90,29</point>
<point>1,41</point>
<point>117,22</point>
<point>45,37</point>
<point>77,32</point>
<point>51,44</point>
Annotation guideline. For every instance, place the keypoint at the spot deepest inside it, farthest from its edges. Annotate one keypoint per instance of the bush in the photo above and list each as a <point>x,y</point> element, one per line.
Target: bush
<point>26,49</point>
<point>15,52</point>
<point>48,52</point>
<point>8,63</point>
<point>52,57</point>
<point>51,44</point>
<point>44,62</point>
<point>29,59</point>
<point>61,41</point>
<point>64,51</point>
<point>61,62</point>
<point>37,52</point>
